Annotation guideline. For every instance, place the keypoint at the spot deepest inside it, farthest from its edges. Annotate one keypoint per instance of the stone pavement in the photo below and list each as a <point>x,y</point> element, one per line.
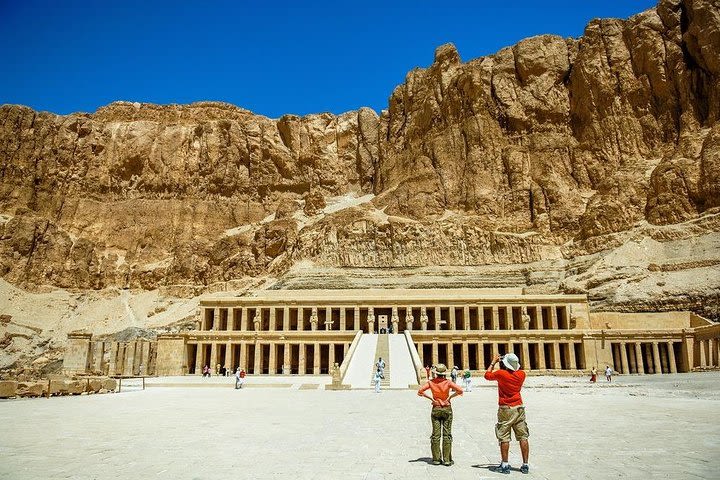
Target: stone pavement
<point>638,427</point>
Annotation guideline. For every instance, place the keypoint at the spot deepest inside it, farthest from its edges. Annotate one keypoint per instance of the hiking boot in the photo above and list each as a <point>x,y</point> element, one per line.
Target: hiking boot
<point>525,468</point>
<point>500,469</point>
<point>449,464</point>
<point>436,462</point>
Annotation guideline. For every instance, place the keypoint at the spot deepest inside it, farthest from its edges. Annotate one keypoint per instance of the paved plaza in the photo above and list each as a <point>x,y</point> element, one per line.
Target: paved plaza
<point>637,427</point>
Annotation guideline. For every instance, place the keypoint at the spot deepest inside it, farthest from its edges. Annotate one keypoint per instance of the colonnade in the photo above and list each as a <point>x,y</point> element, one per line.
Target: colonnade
<point>477,355</point>
<point>648,357</point>
<point>267,357</point>
<point>708,352</point>
<point>367,318</point>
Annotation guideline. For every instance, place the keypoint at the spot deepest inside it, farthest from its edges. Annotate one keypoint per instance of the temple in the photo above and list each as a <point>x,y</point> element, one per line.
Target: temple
<point>296,332</point>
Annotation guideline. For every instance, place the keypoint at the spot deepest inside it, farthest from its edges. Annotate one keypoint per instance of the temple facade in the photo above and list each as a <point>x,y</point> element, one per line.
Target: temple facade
<point>307,331</point>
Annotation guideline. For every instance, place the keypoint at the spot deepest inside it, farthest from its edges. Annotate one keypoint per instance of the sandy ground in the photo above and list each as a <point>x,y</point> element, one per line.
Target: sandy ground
<point>637,427</point>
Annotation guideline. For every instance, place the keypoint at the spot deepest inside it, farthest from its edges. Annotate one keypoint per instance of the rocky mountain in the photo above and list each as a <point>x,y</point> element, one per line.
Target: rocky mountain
<point>580,165</point>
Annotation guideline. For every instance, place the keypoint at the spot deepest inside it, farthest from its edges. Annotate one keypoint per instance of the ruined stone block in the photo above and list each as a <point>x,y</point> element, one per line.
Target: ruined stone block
<point>31,389</point>
<point>8,388</point>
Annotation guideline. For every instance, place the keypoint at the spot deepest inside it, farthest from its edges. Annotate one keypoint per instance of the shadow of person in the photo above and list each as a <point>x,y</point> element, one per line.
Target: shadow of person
<point>422,459</point>
<point>487,466</point>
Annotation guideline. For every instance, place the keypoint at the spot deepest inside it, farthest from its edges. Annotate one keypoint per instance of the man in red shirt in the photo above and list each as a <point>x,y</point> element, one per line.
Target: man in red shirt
<point>441,415</point>
<point>511,412</point>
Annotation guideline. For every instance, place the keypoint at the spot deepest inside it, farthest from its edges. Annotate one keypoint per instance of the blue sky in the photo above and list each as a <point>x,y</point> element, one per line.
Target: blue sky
<point>270,57</point>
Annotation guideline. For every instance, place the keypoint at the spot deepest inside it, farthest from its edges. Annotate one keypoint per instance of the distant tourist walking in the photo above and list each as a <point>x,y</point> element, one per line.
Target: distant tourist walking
<point>378,376</point>
<point>467,379</point>
<point>454,374</point>
<point>206,371</point>
<point>511,412</point>
<point>441,415</point>
<point>381,366</point>
<point>608,373</point>
<point>593,375</point>
<point>427,371</point>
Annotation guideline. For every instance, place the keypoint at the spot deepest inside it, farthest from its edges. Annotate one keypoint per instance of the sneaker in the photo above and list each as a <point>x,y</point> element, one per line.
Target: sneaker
<point>436,462</point>
<point>500,469</point>
<point>449,464</point>
<point>525,469</point>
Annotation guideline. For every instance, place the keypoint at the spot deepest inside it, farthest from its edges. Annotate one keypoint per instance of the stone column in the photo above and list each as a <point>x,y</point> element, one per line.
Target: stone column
<point>273,320</point>
<point>287,359</point>
<point>371,319</point>
<point>571,354</point>
<point>526,355</point>
<point>631,360</point>
<point>199,359</point>
<point>286,319</point>
<point>649,361</point>
<point>356,318</point>
<point>480,357</point>
<point>495,350</point>
<point>556,356</point>
<point>465,356</point>
<point>495,318</point>
<point>553,317</point>
<point>423,318</point>
<point>542,364</point>
<point>231,319</point>
<point>331,355</point>
<point>420,353</point>
<point>538,317</point>
<point>656,357</point>
<point>213,357</point>
<point>435,359</point>
<point>314,319</point>
<point>343,320</point>
<point>481,318</point>
<point>244,319</point>
<point>216,319</point>
<point>438,320</point>
<point>272,358</point>
<point>395,317</point>
<point>258,366</point>
<point>329,322</point>
<point>409,319</point>
<point>301,319</point>
<point>243,356</point>
<point>466,318</point>
<point>228,356</point>
<point>302,362</point>
<point>671,357</point>
<point>316,359</point>
<point>624,358</point>
<point>451,318</point>
<point>639,359</point>
<point>509,320</point>
<point>703,360</point>
<point>450,356</point>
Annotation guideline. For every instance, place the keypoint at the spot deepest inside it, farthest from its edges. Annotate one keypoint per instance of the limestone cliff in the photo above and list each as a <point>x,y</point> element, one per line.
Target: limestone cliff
<point>542,164</point>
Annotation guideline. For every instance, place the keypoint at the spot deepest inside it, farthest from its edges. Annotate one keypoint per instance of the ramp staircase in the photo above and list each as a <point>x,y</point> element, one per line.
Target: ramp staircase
<point>382,351</point>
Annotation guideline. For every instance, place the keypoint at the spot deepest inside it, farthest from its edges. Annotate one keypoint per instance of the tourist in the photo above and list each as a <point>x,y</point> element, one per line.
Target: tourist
<point>593,375</point>
<point>454,374</point>
<point>511,412</point>
<point>467,378</point>
<point>608,373</point>
<point>441,416</point>
<point>206,371</point>
<point>427,372</point>
<point>238,379</point>
<point>378,376</point>
<point>381,366</point>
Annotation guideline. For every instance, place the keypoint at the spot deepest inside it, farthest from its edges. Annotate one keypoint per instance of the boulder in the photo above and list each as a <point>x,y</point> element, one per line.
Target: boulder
<point>8,388</point>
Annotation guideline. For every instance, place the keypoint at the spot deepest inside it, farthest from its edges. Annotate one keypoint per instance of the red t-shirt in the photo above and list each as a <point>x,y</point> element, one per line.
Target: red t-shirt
<point>509,385</point>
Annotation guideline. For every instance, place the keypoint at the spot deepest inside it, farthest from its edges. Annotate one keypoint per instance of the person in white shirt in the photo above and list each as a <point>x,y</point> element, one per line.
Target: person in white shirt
<point>378,376</point>
<point>608,373</point>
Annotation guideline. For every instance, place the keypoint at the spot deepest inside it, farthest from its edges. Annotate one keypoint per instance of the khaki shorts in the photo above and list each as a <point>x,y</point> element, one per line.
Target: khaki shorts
<point>511,418</point>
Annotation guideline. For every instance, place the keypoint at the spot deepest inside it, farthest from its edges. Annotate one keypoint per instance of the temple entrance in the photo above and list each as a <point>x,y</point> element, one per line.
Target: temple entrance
<point>382,324</point>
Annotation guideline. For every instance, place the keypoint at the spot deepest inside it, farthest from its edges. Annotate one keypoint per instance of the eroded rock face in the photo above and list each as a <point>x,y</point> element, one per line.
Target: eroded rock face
<point>545,151</point>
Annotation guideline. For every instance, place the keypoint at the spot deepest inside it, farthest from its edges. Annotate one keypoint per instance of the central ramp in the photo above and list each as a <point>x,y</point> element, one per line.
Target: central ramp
<point>362,362</point>
<point>403,373</point>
